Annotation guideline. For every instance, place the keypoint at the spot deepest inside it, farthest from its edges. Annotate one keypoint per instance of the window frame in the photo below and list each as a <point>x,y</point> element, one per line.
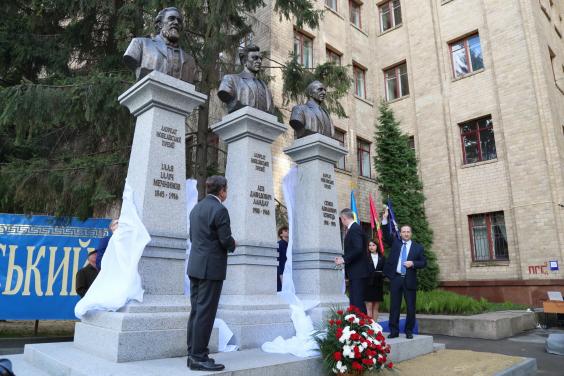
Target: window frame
<point>465,39</point>
<point>390,5</point>
<point>330,7</point>
<point>399,94</point>
<point>301,36</point>
<point>330,51</point>
<point>359,68</point>
<point>479,141</point>
<point>357,4</point>
<point>491,247</point>
<point>343,144</point>
<point>359,152</point>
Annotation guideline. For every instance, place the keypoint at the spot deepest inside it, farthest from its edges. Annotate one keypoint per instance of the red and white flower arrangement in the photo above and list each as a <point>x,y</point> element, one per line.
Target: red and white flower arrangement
<point>352,343</point>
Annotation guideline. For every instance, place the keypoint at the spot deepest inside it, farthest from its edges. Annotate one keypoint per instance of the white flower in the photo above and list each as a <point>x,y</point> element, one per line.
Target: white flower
<point>348,351</point>
<point>356,319</point>
<point>341,367</point>
<point>346,334</point>
<point>364,345</point>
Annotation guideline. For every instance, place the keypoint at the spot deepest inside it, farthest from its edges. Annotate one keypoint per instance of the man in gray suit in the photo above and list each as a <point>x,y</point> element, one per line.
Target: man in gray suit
<point>310,117</point>
<point>245,89</point>
<point>210,233</point>
<point>162,52</point>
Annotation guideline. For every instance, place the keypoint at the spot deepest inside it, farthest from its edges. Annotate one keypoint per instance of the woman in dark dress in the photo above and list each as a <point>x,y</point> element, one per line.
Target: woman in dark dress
<point>373,293</point>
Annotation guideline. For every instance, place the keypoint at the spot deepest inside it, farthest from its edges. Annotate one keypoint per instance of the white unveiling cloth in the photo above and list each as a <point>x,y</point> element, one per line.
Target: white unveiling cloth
<point>302,344</point>
<point>119,281</point>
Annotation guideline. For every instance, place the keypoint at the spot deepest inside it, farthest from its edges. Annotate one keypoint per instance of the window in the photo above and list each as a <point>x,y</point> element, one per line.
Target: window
<point>390,15</point>
<point>478,143</point>
<point>359,81</point>
<point>466,55</point>
<point>397,84</point>
<point>340,136</point>
<point>331,4</point>
<point>411,142</point>
<point>488,237</point>
<point>332,56</point>
<point>303,49</point>
<point>354,8</point>
<point>363,156</point>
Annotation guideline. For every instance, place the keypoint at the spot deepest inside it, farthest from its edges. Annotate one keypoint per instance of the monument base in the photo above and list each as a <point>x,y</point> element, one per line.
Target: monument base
<point>54,359</point>
<point>124,336</point>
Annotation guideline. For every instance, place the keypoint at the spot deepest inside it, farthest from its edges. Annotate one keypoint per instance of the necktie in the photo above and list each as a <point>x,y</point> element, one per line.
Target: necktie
<point>403,258</point>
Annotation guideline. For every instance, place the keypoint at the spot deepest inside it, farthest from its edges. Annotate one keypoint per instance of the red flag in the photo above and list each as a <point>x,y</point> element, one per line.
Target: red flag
<point>375,223</point>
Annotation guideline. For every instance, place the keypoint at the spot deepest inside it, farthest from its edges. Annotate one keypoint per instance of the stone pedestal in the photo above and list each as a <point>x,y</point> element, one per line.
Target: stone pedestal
<point>249,303</point>
<point>155,328</point>
<point>316,233</point>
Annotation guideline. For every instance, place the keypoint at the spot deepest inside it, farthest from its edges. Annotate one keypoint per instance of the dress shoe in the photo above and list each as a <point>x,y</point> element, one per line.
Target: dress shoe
<point>393,335</point>
<point>208,365</point>
<point>409,336</point>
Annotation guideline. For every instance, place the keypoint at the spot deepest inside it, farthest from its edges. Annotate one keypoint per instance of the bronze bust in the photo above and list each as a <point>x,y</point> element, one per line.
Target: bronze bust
<point>311,117</point>
<point>161,53</point>
<point>245,89</point>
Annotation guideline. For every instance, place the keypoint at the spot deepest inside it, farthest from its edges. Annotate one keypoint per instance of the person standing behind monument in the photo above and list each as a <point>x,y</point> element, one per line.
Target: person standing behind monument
<point>210,234</point>
<point>101,248</point>
<point>86,276</point>
<point>401,267</point>
<point>374,291</point>
<point>355,259</point>
<point>282,248</point>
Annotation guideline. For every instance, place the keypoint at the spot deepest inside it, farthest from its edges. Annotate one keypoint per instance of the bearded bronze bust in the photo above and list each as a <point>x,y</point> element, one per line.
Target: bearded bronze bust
<point>311,117</point>
<point>162,52</point>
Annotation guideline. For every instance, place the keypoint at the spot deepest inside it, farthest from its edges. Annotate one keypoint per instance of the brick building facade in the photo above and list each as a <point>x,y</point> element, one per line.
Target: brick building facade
<point>479,85</point>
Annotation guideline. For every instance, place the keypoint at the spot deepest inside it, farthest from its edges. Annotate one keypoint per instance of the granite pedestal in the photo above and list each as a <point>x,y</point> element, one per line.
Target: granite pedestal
<point>155,328</point>
<point>316,230</point>
<point>249,303</point>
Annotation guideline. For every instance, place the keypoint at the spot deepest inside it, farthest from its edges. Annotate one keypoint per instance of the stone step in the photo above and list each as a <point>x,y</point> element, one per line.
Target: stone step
<point>21,367</point>
<point>64,359</point>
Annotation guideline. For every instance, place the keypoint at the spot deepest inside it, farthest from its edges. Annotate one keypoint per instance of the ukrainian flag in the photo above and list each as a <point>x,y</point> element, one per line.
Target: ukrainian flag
<point>354,209</point>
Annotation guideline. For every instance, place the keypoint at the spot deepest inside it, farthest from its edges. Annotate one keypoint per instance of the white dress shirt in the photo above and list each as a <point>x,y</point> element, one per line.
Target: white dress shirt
<point>374,259</point>
<point>408,246</point>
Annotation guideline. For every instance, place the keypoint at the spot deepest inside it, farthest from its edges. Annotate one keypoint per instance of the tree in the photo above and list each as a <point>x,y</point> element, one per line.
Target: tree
<point>396,167</point>
<point>64,138</point>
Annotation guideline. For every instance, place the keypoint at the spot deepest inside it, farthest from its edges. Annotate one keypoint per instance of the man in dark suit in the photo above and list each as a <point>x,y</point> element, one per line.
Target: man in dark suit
<point>210,233</point>
<point>162,53</point>
<point>401,267</point>
<point>245,89</point>
<point>355,259</point>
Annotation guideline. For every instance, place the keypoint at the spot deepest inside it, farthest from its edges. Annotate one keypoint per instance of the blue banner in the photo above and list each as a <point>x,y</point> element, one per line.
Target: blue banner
<point>39,259</point>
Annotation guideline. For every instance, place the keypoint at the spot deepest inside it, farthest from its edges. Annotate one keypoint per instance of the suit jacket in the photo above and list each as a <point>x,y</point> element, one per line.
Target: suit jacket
<point>240,87</point>
<point>145,55</point>
<point>311,118</point>
<point>416,254</point>
<point>210,234</point>
<point>355,256</point>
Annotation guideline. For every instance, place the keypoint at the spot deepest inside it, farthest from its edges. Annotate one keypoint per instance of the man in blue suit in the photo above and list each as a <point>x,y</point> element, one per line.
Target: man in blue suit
<point>355,258</point>
<point>401,267</point>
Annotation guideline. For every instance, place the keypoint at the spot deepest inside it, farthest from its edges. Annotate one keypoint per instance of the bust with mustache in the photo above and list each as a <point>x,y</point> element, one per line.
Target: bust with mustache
<point>162,52</point>
<point>245,89</point>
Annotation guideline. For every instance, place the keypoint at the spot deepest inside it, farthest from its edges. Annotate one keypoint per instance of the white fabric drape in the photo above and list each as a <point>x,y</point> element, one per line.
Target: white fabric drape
<point>119,281</point>
<point>302,344</point>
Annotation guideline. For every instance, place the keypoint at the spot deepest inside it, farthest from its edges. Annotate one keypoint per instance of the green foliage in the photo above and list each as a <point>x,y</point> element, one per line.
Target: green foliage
<point>297,78</point>
<point>396,166</point>
<point>450,303</point>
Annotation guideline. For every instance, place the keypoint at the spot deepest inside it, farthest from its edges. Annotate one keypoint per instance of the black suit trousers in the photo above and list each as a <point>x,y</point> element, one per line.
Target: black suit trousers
<point>204,299</point>
<point>356,293</point>
<point>398,291</point>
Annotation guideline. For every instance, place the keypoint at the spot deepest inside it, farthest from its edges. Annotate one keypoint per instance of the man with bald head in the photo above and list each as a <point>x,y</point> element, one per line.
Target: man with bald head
<point>311,117</point>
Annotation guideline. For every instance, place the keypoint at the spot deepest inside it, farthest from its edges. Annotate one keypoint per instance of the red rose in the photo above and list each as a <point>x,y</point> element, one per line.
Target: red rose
<point>368,362</point>
<point>351,319</point>
<point>387,349</point>
<point>338,356</point>
<point>356,366</point>
<point>339,332</point>
<point>340,312</point>
<point>339,322</point>
<point>331,322</point>
<point>390,365</point>
<point>361,322</point>
<point>370,332</point>
<point>381,360</point>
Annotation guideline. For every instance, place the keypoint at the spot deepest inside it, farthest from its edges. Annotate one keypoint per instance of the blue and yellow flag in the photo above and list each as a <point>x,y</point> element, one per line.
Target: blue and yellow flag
<point>354,209</point>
